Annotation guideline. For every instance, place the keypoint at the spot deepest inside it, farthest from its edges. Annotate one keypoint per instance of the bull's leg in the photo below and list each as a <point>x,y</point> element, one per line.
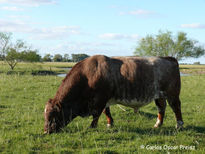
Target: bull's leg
<point>95,121</point>
<point>136,110</point>
<point>175,104</point>
<point>108,116</point>
<point>96,114</point>
<point>161,105</point>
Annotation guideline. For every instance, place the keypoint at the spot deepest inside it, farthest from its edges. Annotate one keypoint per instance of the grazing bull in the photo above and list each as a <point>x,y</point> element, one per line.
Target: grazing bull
<point>99,81</point>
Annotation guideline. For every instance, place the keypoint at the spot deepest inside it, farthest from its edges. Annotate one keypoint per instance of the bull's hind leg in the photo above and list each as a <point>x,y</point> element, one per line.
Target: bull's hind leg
<point>108,116</point>
<point>175,104</point>
<point>161,105</point>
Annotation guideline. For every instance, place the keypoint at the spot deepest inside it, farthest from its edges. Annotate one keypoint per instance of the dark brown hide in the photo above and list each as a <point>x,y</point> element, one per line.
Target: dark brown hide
<point>93,83</point>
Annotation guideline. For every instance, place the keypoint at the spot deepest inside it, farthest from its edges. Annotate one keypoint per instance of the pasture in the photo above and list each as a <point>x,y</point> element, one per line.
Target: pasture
<point>22,101</point>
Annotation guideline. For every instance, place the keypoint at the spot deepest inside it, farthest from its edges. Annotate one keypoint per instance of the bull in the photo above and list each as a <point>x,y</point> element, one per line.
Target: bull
<point>97,82</point>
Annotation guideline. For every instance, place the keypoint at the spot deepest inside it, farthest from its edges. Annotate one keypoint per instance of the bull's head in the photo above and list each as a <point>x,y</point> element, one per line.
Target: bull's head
<point>54,120</point>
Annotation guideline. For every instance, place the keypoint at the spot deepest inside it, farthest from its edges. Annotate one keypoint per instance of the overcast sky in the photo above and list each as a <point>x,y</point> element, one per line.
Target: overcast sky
<point>110,27</point>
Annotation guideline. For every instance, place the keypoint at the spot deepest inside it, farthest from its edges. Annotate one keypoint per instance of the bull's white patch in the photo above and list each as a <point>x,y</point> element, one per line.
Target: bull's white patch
<point>108,125</point>
<point>158,123</point>
<point>45,110</point>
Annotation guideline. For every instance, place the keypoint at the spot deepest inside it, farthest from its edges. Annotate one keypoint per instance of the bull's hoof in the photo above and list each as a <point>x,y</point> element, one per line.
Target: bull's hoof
<point>93,126</point>
<point>136,110</point>
<point>158,124</point>
<point>110,125</point>
<point>179,125</point>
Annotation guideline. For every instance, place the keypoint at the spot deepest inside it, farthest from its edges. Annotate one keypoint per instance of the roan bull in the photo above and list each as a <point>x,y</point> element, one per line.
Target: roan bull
<point>92,85</point>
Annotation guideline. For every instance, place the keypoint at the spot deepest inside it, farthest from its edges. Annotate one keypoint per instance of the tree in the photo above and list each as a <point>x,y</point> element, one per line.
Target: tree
<point>30,56</point>
<point>165,44</point>
<point>5,41</point>
<point>57,58</point>
<point>78,57</point>
<point>12,57</point>
<point>13,53</point>
<point>47,58</point>
<point>19,51</point>
<point>66,58</point>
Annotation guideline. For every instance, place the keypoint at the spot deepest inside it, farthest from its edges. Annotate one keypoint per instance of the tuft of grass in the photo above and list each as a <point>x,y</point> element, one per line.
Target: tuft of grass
<point>22,102</point>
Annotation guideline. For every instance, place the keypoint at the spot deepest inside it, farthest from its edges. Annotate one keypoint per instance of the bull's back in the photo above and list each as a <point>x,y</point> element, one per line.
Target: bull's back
<point>131,80</point>
<point>138,81</point>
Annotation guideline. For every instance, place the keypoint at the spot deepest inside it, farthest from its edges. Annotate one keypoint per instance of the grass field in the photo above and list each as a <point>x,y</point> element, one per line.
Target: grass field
<point>22,101</point>
<point>27,68</point>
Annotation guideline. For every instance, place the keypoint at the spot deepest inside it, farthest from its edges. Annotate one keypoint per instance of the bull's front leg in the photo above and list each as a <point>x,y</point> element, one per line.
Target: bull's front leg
<point>161,105</point>
<point>97,109</point>
<point>96,116</point>
<point>94,123</point>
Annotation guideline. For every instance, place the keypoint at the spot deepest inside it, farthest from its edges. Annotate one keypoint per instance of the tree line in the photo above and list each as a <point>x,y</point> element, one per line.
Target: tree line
<point>64,58</point>
<point>162,44</point>
<point>19,51</point>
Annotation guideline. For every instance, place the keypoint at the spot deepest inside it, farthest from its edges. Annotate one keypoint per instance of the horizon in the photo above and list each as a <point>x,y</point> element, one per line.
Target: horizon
<point>111,28</point>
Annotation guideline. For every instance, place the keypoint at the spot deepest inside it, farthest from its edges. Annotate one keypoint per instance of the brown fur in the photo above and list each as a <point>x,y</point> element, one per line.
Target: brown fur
<point>91,83</point>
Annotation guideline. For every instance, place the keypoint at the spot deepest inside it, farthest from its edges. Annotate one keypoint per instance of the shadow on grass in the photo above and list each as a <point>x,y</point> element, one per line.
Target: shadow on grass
<point>168,131</point>
<point>3,107</point>
<point>148,115</point>
<point>39,135</point>
<point>184,68</point>
<point>197,129</point>
<point>43,72</point>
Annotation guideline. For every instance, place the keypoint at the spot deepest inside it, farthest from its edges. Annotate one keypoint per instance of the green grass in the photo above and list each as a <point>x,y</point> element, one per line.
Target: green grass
<point>22,101</point>
<point>192,69</point>
<point>23,68</point>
